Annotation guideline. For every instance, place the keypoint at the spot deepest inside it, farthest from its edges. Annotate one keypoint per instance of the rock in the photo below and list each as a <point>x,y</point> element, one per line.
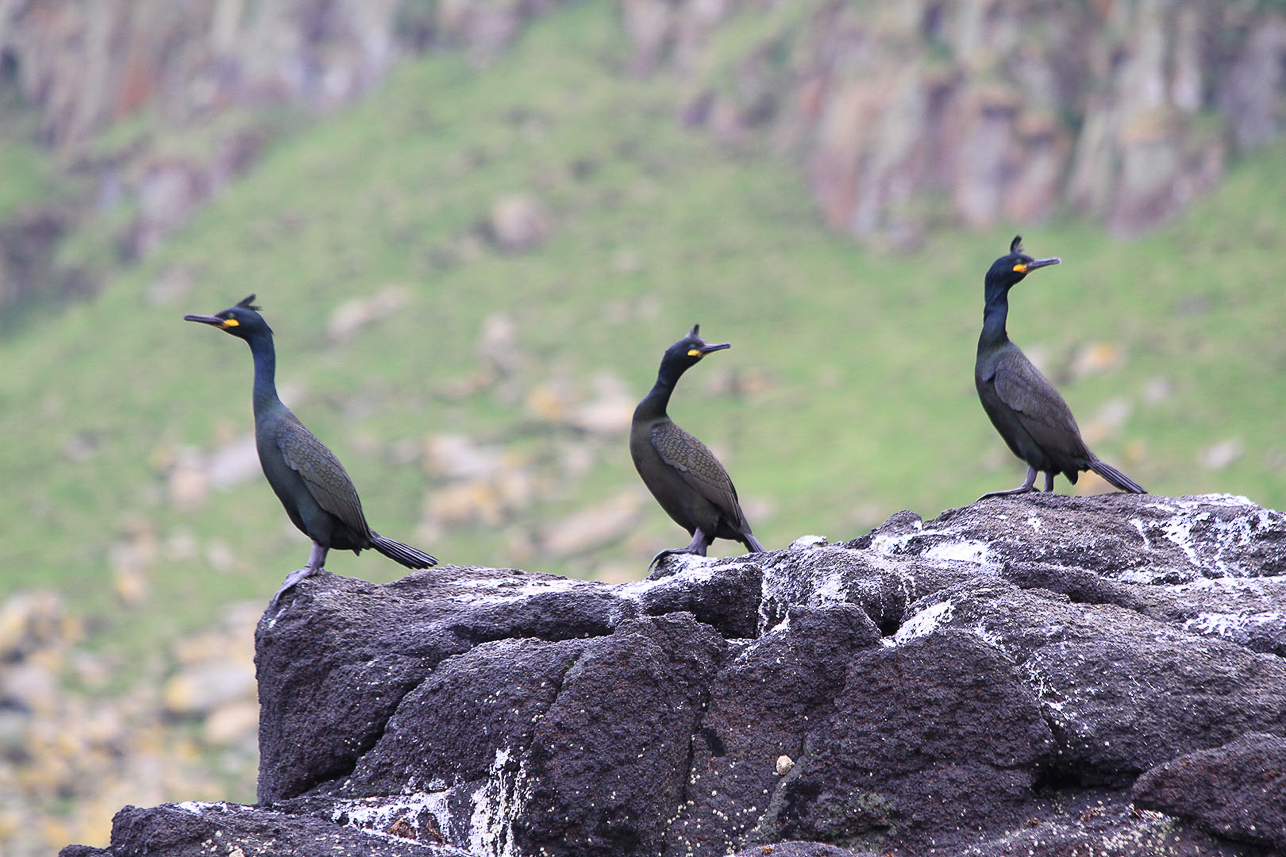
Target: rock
<point>31,620</point>
<point>1001,680</point>
<point>350,317</point>
<point>188,829</point>
<point>610,411</point>
<point>200,689</point>
<point>333,693</point>
<point>520,222</point>
<point>938,734</point>
<point>231,724</point>
<point>798,849</point>
<point>478,706</point>
<point>29,687</point>
<point>84,851</point>
<point>1218,456</point>
<point>1159,698</point>
<point>215,73</point>
<point>603,784</point>
<point>29,241</point>
<point>1132,538</point>
<point>1122,111</point>
<point>1095,358</point>
<point>1236,609</point>
<point>602,524</point>
<point>1237,790</point>
<point>760,709</point>
<point>456,456</point>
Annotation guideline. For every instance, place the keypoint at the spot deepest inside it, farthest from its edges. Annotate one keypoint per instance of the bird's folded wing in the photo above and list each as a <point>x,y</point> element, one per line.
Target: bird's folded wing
<point>699,469</point>
<point>325,477</point>
<point>1040,408</point>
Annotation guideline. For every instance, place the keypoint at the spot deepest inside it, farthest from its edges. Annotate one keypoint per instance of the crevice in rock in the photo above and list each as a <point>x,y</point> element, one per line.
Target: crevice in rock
<point>700,731</point>
<point>344,768</point>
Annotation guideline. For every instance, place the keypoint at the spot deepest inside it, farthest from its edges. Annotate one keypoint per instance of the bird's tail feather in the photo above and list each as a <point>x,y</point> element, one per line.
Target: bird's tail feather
<point>1116,477</point>
<point>752,544</point>
<point>400,553</point>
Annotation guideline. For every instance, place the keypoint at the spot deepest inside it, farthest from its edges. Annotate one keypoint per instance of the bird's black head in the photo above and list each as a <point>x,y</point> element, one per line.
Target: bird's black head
<point>687,352</point>
<point>1007,271</point>
<point>242,320</point>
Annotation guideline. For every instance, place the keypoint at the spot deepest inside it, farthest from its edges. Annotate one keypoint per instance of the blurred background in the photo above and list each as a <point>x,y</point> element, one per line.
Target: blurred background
<point>476,224</point>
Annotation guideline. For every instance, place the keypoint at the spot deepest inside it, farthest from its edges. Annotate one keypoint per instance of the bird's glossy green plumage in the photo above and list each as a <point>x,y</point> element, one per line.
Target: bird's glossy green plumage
<point>1023,405</point>
<point>681,472</point>
<point>307,478</point>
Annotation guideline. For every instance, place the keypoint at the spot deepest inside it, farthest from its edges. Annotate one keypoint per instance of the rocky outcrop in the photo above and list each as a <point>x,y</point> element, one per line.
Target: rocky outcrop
<point>905,115</point>
<point>1007,111</point>
<point>992,682</point>
<point>1237,790</point>
<point>84,66</point>
<point>212,75</point>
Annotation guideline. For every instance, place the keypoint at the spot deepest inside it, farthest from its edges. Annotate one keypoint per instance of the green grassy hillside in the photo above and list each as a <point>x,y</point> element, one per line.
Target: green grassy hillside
<point>846,397</point>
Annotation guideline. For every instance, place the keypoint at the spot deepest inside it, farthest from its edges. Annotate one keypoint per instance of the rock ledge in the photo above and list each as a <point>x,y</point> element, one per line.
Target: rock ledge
<point>1038,675</point>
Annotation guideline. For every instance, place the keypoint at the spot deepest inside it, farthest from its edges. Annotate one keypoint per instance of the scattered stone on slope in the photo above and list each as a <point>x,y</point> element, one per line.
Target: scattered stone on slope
<point>520,222</point>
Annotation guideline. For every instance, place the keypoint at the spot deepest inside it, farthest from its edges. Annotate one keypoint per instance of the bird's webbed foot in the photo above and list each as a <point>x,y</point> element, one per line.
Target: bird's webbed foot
<point>316,563</point>
<point>1029,485</point>
<point>697,547</point>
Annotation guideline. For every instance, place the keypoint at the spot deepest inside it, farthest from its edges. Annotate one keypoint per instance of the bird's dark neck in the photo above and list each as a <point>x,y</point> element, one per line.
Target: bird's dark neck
<point>265,356</point>
<point>654,403</point>
<point>993,321</point>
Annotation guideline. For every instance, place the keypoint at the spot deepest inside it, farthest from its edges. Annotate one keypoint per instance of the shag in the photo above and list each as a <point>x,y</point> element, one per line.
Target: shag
<point>1023,405</point>
<point>682,474</point>
<point>306,476</point>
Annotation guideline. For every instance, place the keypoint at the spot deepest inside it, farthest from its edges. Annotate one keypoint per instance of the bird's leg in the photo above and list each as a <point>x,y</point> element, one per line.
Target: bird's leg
<point>316,562</point>
<point>1049,482</point>
<point>696,547</point>
<point>1021,489</point>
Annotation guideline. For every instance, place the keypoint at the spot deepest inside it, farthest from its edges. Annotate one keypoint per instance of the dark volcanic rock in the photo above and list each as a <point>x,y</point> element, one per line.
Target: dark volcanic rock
<point>1122,692</point>
<point>938,734</point>
<point>192,829</point>
<point>608,760</point>
<point>1131,538</point>
<point>989,683</point>
<point>1237,790</point>
<point>471,709</point>
<point>797,849</point>
<point>336,691</point>
<point>766,700</point>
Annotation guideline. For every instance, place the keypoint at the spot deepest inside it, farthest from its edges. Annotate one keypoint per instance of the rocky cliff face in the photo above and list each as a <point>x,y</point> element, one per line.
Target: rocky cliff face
<point>905,115</point>
<point>212,77</point>
<point>1042,675</point>
<point>1004,111</point>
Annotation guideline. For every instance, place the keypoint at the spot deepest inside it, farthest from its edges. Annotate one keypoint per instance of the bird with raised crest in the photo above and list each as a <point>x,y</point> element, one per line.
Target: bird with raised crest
<point>307,478</point>
<point>1023,405</point>
<point>682,474</point>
